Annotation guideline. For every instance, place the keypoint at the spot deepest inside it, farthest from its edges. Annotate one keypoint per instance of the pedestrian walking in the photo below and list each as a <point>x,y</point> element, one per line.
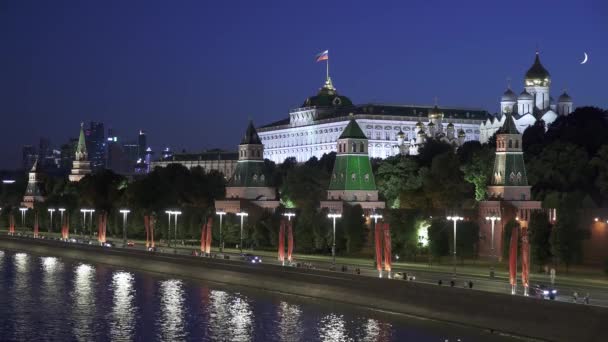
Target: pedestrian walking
<point>470,284</point>
<point>587,298</point>
<point>575,296</point>
<point>452,283</point>
<point>439,282</point>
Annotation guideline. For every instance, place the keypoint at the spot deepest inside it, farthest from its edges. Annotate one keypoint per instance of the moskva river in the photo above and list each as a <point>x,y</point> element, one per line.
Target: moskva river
<point>51,299</point>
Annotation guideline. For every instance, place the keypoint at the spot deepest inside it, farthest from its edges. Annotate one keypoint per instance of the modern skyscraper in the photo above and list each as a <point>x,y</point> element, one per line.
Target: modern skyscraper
<point>28,157</point>
<point>96,145</point>
<point>142,142</point>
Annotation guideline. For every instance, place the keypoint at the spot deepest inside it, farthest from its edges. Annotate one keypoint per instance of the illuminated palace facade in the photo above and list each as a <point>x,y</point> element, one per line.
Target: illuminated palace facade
<point>313,129</point>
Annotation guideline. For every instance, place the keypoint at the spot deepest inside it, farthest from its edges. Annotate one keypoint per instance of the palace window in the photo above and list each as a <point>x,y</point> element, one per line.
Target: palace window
<point>353,176</point>
<point>361,147</point>
<point>366,177</point>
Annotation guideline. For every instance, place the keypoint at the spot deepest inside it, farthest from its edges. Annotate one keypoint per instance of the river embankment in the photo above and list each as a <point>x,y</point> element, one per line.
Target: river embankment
<point>515,315</point>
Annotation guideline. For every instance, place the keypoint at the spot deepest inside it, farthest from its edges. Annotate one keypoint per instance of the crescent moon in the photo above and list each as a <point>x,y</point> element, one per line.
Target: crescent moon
<point>586,58</point>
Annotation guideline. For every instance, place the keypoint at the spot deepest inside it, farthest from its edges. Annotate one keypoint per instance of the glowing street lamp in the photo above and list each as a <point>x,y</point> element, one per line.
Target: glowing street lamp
<point>124,213</point>
<point>289,215</point>
<point>176,213</point>
<point>493,218</point>
<point>51,211</point>
<point>333,247</point>
<point>375,217</point>
<point>242,215</point>
<point>455,219</point>
<point>23,211</point>
<point>221,213</point>
<point>169,213</point>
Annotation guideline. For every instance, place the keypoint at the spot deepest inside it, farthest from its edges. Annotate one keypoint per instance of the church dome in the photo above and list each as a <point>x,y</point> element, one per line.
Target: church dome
<point>431,124</point>
<point>327,97</point>
<point>525,96</point>
<point>461,133</point>
<point>537,74</point>
<point>435,112</point>
<point>419,124</point>
<point>509,96</point>
<point>450,125</point>
<point>564,97</point>
<point>401,134</point>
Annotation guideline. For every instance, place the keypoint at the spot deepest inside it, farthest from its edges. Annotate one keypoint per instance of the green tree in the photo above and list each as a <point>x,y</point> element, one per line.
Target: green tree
<point>600,166</point>
<point>477,171</point>
<point>439,238</point>
<point>566,237</point>
<point>539,233</point>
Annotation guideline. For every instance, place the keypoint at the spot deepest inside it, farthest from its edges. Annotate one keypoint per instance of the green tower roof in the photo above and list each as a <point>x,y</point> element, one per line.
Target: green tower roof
<point>251,136</point>
<point>352,172</point>
<point>352,130</point>
<point>82,146</point>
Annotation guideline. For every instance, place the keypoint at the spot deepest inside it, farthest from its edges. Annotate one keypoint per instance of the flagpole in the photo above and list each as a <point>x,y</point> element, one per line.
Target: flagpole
<point>327,66</point>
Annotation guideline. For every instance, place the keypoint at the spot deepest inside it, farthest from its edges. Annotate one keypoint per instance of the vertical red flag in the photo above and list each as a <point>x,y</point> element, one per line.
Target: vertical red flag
<point>99,226</point>
<point>289,240</point>
<point>11,224</point>
<point>513,256</point>
<point>67,227</point>
<point>525,258</point>
<point>105,226</point>
<point>281,255</point>
<point>63,229</point>
<point>147,229</point>
<point>36,224</point>
<point>209,236</point>
<point>378,235</point>
<point>151,225</point>
<point>203,237</point>
<point>387,247</point>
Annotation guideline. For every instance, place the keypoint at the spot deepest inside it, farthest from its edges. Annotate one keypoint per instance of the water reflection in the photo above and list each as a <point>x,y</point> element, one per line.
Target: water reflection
<point>230,318</point>
<point>21,296</point>
<point>122,326</point>
<point>51,295</point>
<point>332,328</point>
<point>290,322</point>
<point>83,302</point>
<point>172,309</point>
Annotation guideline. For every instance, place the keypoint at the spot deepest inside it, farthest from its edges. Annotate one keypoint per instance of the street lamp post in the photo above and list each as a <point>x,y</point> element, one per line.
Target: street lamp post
<point>221,213</point>
<point>493,218</point>
<point>333,247</point>
<point>455,219</point>
<point>91,211</point>
<point>175,235</point>
<point>23,210</point>
<point>61,210</point>
<point>289,215</point>
<point>375,217</point>
<point>169,213</point>
<point>51,211</point>
<point>124,213</point>
<point>242,215</point>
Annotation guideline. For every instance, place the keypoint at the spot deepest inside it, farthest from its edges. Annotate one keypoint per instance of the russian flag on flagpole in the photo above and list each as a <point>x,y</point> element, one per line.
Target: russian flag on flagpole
<point>323,56</point>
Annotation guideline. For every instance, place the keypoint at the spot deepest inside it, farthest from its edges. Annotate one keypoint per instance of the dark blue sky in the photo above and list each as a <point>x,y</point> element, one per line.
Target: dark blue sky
<point>191,72</point>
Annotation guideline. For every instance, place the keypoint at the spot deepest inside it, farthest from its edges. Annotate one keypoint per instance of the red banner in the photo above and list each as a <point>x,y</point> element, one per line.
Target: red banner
<point>65,228</point>
<point>11,224</point>
<point>151,224</point>
<point>378,234</point>
<point>387,247</point>
<point>36,224</point>
<point>209,235</point>
<point>281,255</point>
<point>513,256</point>
<point>147,229</point>
<point>203,237</point>
<point>525,258</point>
<point>289,240</point>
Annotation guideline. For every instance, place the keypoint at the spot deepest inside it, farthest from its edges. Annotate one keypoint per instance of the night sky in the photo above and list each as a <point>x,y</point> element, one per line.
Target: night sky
<point>191,73</point>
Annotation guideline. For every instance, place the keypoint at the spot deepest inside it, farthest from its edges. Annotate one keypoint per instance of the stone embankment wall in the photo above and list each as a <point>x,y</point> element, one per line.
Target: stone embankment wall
<point>525,317</point>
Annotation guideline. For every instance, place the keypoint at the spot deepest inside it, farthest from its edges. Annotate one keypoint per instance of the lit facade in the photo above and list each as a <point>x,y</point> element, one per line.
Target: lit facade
<point>313,129</point>
<point>533,104</point>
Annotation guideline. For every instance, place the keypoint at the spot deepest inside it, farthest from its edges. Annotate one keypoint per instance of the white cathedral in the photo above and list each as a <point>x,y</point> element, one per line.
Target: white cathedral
<point>533,104</point>
<point>313,129</point>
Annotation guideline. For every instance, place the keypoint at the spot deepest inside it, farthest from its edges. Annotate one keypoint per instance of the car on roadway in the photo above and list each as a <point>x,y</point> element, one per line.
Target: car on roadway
<point>108,244</point>
<point>130,244</point>
<point>543,291</point>
<point>250,258</point>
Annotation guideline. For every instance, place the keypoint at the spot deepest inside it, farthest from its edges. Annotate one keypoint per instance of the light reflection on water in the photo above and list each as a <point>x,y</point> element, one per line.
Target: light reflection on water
<point>172,311</point>
<point>83,308</point>
<point>122,323</point>
<point>55,300</point>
